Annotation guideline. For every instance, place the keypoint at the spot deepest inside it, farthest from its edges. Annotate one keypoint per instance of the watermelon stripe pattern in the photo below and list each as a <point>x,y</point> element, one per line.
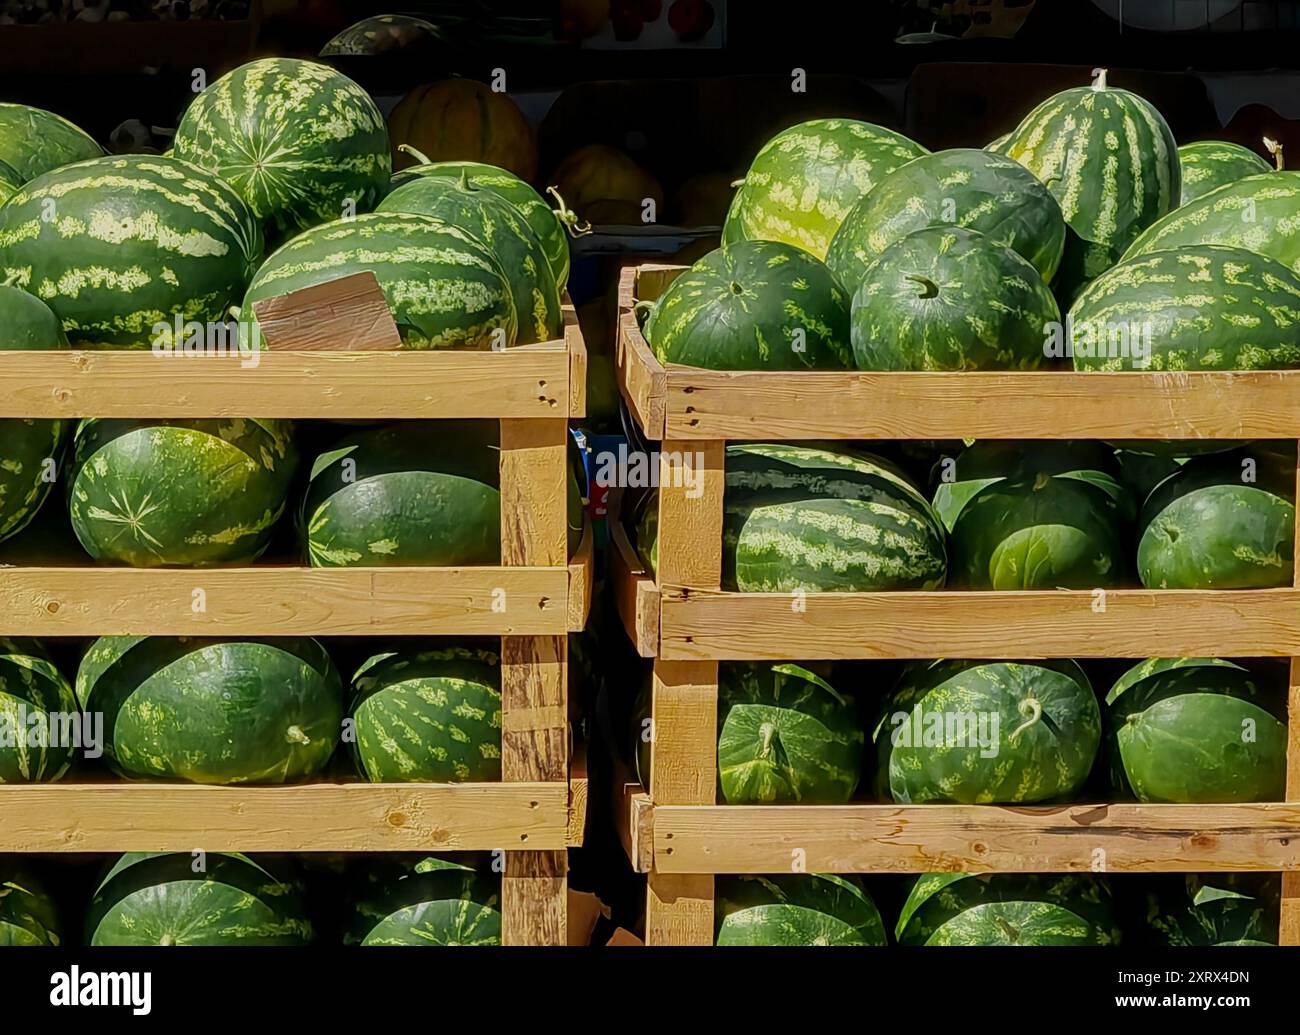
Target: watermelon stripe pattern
<point>1210,164</point>
<point>429,902</point>
<point>34,141</point>
<point>31,687</point>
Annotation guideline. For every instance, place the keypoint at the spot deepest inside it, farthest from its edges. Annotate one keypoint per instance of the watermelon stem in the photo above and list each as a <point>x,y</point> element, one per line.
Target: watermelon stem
<point>1275,149</point>
<point>568,217</point>
<point>419,156</point>
<point>1099,83</point>
<point>929,289</point>
<point>1035,713</point>
<point>768,732</point>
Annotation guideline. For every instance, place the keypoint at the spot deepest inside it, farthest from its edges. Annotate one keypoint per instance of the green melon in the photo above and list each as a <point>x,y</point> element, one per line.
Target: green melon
<point>34,142</point>
<point>38,715</point>
<point>213,711</point>
<point>425,901</point>
<point>182,492</point>
<point>10,181</point>
<point>1210,164</point>
<point>797,909</point>
<point>1141,472</point>
<point>28,916</point>
<point>1214,909</point>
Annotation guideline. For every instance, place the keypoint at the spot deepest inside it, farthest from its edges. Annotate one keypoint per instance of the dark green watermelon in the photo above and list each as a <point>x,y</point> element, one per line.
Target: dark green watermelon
<point>180,898</point>
<point>428,715</point>
<point>425,901</point>
<point>753,305</point>
<point>947,298</point>
<point>10,181</point>
<point>1141,472</point>
<point>1214,909</point>
<point>37,708</point>
<point>28,916</point>
<point>796,909</point>
<point>1008,909</point>
<point>179,492</point>
<point>963,187</point>
<point>214,711</point>
<point>1210,164</point>
<point>786,735</point>
<point>1224,521</point>
<point>34,141</point>
<point>1197,730</point>
<point>980,732</point>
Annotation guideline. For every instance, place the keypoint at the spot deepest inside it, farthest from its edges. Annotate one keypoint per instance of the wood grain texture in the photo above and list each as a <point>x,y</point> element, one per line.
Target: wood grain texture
<point>313,817</point>
<point>695,624</point>
<point>679,909</point>
<point>347,314</point>
<point>582,577</point>
<point>684,744</point>
<point>534,899</point>
<point>576,346</point>
<point>534,496</point>
<point>1289,932</point>
<point>635,594</point>
<point>975,838</point>
<point>640,816</point>
<point>267,600</point>
<point>641,379</point>
<point>579,793</point>
<point>692,480</point>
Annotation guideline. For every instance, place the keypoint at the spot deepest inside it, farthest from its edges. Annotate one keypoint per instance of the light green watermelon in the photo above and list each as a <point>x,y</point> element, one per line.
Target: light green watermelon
<point>1210,164</point>
<point>213,711</point>
<point>965,187</point>
<point>797,909</point>
<point>805,179</point>
<point>28,916</point>
<point>179,492</point>
<point>1008,909</point>
<point>301,143</point>
<point>121,248</point>
<point>37,713</point>
<point>1214,909</point>
<point>753,305</point>
<point>1197,730</point>
<point>786,735</point>
<point>428,901</point>
<point>178,898</point>
<point>428,715</point>
<point>946,298</point>
<point>34,141</point>
<point>975,733</point>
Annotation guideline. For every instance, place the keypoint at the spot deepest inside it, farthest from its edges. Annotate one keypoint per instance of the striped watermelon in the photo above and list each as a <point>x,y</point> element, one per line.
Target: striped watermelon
<point>28,916</point>
<point>1008,909</point>
<point>33,695</point>
<point>963,187</point>
<point>801,518</point>
<point>797,909</point>
<point>786,735</point>
<point>946,298</point>
<point>981,732</point>
<point>425,901</point>
<point>753,305</point>
<point>301,143</point>
<point>445,289</point>
<point>179,492</point>
<point>1110,160</point>
<point>805,179</point>
<point>1197,730</point>
<point>34,142</point>
<point>1214,909</point>
<point>428,715</point>
<point>1224,521</point>
<point>30,450</point>
<point>179,898</point>
<point>1210,164</point>
<point>213,711</point>
<point>1201,307</point>
<point>10,181</point>
<point>497,224</point>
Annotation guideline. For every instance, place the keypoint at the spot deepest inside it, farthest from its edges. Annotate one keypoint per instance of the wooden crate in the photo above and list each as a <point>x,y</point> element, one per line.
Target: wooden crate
<point>678,833</point>
<point>537,811</point>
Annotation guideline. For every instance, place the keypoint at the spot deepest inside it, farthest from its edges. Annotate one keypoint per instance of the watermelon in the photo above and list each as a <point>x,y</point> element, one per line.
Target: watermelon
<point>1202,307</point>
<point>945,298</point>
<point>1197,730</point>
<point>381,34</point>
<point>445,289</point>
<point>10,181</point>
<point>797,909</point>
<point>34,142</point>
<point>786,735</point>
<point>425,901</point>
<point>1257,213</point>
<point>980,732</point>
<point>30,450</point>
<point>428,715</point>
<point>37,709</point>
<point>1214,909</point>
<point>1110,160</point>
<point>1225,521</point>
<point>131,245</point>
<point>1140,472</point>
<point>1039,515</point>
<point>179,492</point>
<point>1209,164</point>
<point>805,179</point>
<point>182,898</point>
<point>548,224</point>
<point>497,224</point>
<point>27,913</point>
<point>213,711</point>
<point>963,187</point>
<point>753,305</point>
<point>1008,909</point>
<point>301,143</point>
<point>802,518</point>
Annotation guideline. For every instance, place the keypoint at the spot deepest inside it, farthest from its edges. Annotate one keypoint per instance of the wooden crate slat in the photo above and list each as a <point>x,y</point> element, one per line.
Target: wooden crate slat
<point>634,591</point>
<point>1289,933</point>
<point>582,576</point>
<point>679,909</point>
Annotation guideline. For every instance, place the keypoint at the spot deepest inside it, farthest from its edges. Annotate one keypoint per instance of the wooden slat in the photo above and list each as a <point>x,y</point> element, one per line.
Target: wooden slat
<point>577,349</point>
<point>1289,933</point>
<point>641,379</point>
<point>349,313</point>
<point>975,838</point>
<point>688,550</point>
<point>266,600</point>
<point>635,594</point>
<point>679,909</point>
<point>579,794</point>
<point>315,817</point>
<point>582,577</point>
<point>696,625</point>
<point>639,815</point>
<point>684,744</point>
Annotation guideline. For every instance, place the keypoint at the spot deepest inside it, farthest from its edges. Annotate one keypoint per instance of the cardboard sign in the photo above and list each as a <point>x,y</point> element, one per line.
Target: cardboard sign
<point>345,315</point>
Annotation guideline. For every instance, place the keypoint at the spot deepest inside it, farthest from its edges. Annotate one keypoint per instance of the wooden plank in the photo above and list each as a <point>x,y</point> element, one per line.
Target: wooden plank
<point>532,381</point>
<point>692,480</point>
<point>582,576</point>
<point>534,898</point>
<point>641,379</point>
<point>679,909</point>
<point>313,817</point>
<point>636,596</point>
<point>534,492</point>
<point>1289,932</point>
<point>640,846</point>
<point>975,838</point>
<point>266,600</point>
<point>701,624</point>
<point>684,733</point>
<point>348,314</point>
<point>579,793</point>
<point>576,346</point>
